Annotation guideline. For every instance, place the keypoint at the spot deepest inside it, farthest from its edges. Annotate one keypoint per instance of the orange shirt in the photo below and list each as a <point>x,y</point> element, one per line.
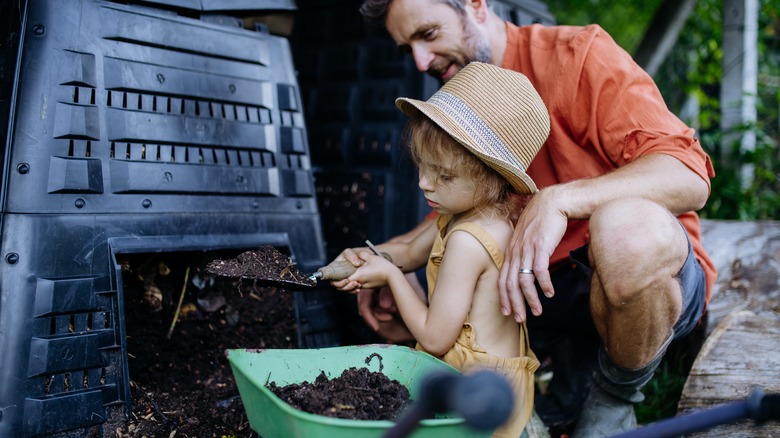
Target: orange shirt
<point>605,112</point>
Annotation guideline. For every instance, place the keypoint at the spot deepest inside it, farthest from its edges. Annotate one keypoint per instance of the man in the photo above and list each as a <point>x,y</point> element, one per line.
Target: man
<point>611,240</point>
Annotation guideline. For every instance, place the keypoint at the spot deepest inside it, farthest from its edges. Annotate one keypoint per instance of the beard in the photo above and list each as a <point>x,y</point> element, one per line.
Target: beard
<point>475,45</point>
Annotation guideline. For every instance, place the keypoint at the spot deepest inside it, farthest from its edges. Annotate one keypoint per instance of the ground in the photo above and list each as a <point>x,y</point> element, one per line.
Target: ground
<point>182,385</point>
<point>181,382</point>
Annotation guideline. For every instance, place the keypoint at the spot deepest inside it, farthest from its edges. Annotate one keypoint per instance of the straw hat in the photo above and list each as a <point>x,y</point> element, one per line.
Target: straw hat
<point>495,113</point>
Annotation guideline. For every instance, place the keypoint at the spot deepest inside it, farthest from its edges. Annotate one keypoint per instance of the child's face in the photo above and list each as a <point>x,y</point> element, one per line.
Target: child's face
<point>450,193</point>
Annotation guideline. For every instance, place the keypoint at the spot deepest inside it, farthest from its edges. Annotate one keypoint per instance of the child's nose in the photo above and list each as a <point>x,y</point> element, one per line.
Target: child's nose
<point>424,184</point>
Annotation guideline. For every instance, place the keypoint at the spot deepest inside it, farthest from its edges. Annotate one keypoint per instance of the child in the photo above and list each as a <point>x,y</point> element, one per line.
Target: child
<point>471,141</point>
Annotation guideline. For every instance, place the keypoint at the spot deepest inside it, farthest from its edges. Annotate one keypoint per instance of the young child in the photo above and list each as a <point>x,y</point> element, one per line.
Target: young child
<point>472,141</point>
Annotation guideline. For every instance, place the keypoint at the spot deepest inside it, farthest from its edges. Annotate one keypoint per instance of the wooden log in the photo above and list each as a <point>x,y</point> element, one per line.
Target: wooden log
<point>740,353</point>
<point>747,256</point>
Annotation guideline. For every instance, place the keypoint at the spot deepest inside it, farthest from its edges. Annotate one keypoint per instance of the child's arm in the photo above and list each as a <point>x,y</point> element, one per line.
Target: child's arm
<point>409,255</point>
<point>435,327</point>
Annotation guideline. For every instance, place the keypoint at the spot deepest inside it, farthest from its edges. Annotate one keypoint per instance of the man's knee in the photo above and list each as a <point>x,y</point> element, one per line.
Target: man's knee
<point>633,231</point>
<point>635,245</point>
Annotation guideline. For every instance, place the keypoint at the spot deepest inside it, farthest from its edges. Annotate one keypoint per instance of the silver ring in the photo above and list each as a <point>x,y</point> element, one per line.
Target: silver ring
<point>526,271</point>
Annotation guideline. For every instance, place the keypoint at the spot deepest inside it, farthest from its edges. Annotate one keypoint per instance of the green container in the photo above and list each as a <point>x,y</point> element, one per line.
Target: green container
<point>271,417</point>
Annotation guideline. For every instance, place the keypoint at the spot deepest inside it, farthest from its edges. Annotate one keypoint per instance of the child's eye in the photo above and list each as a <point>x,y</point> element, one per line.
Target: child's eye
<point>446,178</point>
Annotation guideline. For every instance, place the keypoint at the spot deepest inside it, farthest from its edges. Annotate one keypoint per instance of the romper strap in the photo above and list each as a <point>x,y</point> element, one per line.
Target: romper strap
<point>487,240</point>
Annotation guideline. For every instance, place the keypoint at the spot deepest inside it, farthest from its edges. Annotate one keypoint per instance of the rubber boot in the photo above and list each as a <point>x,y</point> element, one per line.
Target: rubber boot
<point>609,408</point>
<point>574,363</point>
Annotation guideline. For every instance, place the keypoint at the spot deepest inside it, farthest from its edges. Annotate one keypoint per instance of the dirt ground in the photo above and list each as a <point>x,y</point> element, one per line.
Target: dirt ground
<point>181,382</point>
<point>183,386</point>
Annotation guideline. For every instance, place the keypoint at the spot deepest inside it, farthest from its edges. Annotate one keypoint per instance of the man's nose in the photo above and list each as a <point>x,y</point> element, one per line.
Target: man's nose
<point>423,58</point>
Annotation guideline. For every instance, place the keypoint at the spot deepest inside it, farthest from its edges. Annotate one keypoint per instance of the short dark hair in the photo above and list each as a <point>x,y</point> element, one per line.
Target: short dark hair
<point>375,11</point>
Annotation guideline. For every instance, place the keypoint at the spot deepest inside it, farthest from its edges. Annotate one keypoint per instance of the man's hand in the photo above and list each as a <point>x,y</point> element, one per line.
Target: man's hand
<point>374,308</point>
<point>377,307</point>
<point>537,233</point>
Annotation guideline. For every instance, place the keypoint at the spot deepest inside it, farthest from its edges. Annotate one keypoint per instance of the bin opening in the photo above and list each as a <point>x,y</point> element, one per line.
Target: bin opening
<point>178,370</point>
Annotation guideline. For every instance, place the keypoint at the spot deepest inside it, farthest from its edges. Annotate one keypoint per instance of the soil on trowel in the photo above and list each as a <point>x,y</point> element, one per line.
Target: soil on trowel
<point>358,394</point>
<point>266,264</point>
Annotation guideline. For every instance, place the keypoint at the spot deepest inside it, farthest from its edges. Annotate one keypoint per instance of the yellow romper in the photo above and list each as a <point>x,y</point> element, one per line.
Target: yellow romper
<point>466,355</point>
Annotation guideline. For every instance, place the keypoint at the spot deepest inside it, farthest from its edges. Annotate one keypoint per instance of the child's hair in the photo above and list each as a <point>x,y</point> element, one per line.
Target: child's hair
<point>428,143</point>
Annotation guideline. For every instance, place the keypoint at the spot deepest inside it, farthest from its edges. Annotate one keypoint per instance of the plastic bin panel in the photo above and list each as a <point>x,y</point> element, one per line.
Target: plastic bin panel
<point>71,411</point>
<point>154,30</point>
<point>68,295</point>
<point>133,177</point>
<point>173,105</point>
<point>75,175</point>
<point>131,75</point>
<point>67,354</point>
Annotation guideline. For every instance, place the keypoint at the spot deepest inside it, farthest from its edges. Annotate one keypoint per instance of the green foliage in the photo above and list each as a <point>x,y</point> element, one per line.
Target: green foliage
<point>624,20</point>
<point>662,392</point>
<point>694,69</point>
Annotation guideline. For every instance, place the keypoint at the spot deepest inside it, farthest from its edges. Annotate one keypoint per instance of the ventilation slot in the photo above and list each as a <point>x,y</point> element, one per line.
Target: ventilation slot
<point>189,107</point>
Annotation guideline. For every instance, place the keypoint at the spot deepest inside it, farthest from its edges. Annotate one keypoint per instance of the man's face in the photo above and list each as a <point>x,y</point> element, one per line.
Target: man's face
<point>441,41</point>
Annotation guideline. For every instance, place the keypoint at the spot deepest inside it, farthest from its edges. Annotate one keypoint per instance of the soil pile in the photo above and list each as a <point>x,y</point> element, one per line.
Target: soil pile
<point>358,394</point>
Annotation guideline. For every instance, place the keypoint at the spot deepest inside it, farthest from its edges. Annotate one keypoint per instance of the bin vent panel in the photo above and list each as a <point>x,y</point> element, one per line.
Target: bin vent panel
<point>124,108</point>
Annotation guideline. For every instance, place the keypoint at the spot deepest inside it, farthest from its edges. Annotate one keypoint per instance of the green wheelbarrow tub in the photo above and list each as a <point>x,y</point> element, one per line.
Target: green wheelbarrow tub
<point>271,417</point>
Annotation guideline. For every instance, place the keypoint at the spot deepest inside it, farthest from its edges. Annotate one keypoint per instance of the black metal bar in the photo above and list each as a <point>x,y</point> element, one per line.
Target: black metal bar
<point>758,406</point>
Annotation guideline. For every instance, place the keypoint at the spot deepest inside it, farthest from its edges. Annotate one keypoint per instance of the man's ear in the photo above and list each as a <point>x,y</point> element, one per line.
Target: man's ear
<point>478,8</point>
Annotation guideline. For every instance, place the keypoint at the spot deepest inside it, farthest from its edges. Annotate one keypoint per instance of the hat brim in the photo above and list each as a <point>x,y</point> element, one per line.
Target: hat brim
<point>516,177</point>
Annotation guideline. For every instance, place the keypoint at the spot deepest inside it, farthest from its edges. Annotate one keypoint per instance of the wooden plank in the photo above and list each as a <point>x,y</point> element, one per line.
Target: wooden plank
<point>740,353</point>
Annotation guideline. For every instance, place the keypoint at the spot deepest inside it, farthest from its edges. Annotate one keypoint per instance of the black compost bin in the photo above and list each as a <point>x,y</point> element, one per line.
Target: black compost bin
<point>136,129</point>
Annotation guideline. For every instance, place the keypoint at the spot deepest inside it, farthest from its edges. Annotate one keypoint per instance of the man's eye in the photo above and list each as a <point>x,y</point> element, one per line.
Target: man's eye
<point>430,35</point>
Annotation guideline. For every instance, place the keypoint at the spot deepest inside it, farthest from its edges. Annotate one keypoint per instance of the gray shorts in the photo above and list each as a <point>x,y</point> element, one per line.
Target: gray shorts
<point>570,307</point>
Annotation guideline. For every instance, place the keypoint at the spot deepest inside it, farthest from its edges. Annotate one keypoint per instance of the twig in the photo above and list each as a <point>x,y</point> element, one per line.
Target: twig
<point>181,299</point>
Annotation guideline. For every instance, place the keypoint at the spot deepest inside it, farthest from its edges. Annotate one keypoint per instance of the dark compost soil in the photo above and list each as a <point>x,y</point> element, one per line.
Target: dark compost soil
<point>266,265</point>
<point>357,394</point>
<point>181,383</point>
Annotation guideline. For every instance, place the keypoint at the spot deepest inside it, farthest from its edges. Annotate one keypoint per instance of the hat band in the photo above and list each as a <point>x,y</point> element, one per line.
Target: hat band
<point>477,129</point>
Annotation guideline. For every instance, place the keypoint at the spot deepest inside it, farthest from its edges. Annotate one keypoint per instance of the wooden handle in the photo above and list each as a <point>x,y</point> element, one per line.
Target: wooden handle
<point>337,270</point>
<point>341,269</point>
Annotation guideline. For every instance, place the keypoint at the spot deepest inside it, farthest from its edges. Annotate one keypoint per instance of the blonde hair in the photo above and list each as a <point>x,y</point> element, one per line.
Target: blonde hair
<point>429,144</point>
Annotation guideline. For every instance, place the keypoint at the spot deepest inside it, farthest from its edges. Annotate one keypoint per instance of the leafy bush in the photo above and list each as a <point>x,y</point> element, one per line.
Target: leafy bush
<point>746,185</point>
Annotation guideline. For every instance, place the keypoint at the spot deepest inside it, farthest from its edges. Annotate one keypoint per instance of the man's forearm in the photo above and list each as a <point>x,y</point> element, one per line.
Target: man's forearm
<point>657,177</point>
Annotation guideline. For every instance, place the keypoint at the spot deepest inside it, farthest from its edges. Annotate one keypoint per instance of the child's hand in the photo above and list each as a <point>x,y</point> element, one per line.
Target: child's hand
<point>374,272</point>
<point>345,285</point>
